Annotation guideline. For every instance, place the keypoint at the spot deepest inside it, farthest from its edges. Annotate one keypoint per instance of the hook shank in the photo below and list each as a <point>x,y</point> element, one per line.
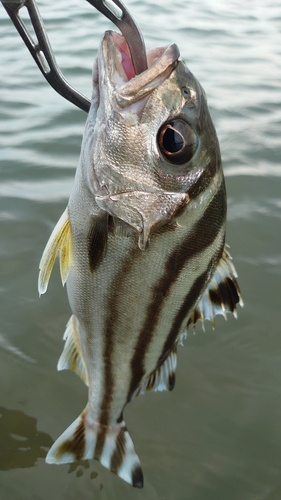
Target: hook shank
<point>43,55</point>
<point>42,52</point>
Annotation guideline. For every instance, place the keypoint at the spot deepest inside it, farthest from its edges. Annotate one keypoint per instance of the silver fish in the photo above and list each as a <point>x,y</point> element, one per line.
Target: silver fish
<point>141,243</point>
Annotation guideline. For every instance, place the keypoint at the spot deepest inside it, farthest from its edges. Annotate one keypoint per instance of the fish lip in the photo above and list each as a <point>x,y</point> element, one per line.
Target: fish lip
<point>161,62</point>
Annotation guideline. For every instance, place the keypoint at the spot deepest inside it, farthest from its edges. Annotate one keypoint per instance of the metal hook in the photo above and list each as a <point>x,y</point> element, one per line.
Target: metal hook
<point>116,11</point>
<point>42,52</point>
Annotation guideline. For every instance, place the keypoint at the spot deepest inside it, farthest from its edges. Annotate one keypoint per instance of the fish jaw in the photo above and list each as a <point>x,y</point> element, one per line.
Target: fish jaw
<point>122,96</point>
<point>117,75</point>
<point>122,165</point>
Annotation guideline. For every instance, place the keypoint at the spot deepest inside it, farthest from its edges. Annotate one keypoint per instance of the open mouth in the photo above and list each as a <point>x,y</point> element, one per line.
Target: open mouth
<point>126,58</point>
<point>118,68</point>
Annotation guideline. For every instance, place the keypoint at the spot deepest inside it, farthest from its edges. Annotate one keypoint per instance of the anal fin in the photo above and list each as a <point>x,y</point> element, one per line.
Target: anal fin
<point>221,295</point>
<point>71,357</point>
<point>162,378</point>
<point>59,242</point>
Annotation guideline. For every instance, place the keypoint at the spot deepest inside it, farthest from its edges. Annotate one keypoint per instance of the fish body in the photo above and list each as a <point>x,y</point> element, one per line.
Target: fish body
<point>141,243</point>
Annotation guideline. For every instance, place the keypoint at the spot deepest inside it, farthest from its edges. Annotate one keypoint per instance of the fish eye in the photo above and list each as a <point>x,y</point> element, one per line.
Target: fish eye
<point>177,141</point>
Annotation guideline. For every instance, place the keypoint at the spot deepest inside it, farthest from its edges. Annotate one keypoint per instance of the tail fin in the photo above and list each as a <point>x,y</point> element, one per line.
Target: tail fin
<point>111,445</point>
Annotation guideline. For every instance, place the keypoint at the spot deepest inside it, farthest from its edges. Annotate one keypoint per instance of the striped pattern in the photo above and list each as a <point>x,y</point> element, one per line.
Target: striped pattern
<point>112,446</point>
<point>147,259</point>
<point>162,378</point>
<point>221,295</point>
<point>174,265</point>
<point>134,311</point>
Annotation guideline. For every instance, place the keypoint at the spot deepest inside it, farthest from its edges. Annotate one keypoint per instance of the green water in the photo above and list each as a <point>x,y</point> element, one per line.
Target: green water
<point>217,436</point>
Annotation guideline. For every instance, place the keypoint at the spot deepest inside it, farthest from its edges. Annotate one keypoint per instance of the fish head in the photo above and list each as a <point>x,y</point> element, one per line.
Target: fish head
<point>149,144</point>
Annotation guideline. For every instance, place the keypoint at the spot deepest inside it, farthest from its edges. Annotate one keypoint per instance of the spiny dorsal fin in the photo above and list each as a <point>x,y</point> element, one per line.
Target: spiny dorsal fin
<point>59,241</point>
<point>221,295</point>
<point>161,379</point>
<point>71,357</point>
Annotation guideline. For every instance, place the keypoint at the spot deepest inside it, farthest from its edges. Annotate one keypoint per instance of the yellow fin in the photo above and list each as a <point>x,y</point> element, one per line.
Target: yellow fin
<point>71,357</point>
<point>65,254</point>
<point>59,241</point>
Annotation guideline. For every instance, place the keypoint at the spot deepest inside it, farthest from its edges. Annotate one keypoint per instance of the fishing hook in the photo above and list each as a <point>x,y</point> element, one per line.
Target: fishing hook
<point>42,51</point>
<point>116,11</point>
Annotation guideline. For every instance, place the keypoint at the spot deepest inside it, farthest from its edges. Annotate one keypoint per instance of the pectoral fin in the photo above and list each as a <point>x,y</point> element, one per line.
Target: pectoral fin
<point>221,295</point>
<point>59,242</point>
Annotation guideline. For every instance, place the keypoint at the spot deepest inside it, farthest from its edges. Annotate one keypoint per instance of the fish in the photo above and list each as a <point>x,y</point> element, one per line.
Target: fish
<point>141,245</point>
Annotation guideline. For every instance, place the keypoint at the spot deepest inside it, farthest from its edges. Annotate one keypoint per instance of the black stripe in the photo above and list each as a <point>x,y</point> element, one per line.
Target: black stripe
<point>194,317</point>
<point>100,441</point>
<point>186,307</point>
<point>109,329</point>
<point>119,452</point>
<point>76,446</point>
<point>169,380</point>
<point>207,176</point>
<point>97,240</point>
<point>172,381</point>
<point>137,477</point>
<point>200,237</point>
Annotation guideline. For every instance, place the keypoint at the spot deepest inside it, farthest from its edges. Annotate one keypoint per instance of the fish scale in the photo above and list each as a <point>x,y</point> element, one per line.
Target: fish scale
<point>141,244</point>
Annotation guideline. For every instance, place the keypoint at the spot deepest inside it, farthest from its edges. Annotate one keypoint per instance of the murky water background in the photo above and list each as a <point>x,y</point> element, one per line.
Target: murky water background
<point>217,436</point>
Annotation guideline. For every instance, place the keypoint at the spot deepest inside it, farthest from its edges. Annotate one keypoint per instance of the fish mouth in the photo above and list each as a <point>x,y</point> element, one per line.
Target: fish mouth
<point>117,69</point>
<point>123,92</point>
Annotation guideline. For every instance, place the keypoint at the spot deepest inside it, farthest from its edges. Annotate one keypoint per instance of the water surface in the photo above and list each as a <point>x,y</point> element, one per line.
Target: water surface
<point>217,436</point>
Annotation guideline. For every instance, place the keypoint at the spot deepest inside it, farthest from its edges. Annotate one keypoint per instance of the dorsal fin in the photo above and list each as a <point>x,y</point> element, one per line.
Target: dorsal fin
<point>161,379</point>
<point>221,295</point>
<point>71,357</point>
<point>59,241</point>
